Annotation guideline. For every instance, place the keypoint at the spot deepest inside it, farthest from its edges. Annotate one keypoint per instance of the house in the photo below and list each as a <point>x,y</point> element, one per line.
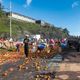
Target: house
<point>17,16</point>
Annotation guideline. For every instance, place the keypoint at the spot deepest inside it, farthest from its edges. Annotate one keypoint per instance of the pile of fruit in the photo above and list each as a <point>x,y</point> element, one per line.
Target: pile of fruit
<point>14,56</point>
<point>47,52</point>
<point>9,56</point>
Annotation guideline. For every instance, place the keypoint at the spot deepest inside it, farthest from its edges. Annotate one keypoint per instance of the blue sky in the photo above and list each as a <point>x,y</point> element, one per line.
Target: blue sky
<point>61,13</point>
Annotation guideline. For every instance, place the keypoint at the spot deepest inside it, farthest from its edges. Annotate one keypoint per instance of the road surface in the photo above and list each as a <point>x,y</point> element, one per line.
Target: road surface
<point>65,67</point>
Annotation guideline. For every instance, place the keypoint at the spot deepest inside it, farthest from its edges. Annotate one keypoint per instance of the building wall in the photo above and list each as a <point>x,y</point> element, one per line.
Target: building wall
<point>19,17</point>
<point>42,23</point>
<point>24,18</point>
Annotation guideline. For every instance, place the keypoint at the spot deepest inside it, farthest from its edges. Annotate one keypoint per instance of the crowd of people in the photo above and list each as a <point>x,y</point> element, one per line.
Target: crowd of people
<point>33,45</point>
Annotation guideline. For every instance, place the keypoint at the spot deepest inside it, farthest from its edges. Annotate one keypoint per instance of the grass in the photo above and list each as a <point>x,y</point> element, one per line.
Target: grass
<point>19,28</point>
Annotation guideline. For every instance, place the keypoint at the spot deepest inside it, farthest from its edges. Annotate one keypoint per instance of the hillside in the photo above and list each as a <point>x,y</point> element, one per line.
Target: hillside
<point>19,28</point>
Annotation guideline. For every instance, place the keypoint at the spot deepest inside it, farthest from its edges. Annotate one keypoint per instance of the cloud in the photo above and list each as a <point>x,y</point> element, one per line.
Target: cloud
<point>28,2</point>
<point>0,1</point>
<point>75,4</point>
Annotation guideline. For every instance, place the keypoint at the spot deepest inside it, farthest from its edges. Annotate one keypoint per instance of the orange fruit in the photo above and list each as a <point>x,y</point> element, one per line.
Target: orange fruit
<point>5,74</point>
<point>11,69</point>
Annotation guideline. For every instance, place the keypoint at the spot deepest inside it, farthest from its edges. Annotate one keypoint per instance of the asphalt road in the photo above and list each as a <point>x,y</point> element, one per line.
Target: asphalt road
<point>48,68</point>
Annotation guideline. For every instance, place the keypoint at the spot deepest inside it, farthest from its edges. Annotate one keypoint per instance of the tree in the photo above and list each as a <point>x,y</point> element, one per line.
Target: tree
<point>65,30</point>
<point>0,10</point>
<point>2,13</point>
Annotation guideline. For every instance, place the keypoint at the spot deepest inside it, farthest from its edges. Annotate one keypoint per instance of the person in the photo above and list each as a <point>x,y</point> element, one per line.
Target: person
<point>26,45</point>
<point>52,43</point>
<point>18,47</point>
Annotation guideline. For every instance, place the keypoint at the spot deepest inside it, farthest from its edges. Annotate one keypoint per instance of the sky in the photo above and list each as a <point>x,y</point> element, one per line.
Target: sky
<point>61,13</point>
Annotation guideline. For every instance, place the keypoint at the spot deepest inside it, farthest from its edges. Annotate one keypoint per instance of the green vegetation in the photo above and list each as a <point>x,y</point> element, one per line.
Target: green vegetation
<point>19,28</point>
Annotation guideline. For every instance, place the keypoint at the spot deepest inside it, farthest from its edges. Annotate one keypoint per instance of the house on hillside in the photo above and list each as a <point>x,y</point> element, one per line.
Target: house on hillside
<point>43,23</point>
<point>17,16</point>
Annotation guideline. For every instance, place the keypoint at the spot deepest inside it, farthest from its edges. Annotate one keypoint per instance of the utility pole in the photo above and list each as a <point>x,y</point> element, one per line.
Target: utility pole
<point>10,20</point>
<point>11,40</point>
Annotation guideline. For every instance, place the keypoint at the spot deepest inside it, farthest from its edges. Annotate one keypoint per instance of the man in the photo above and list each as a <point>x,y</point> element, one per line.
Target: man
<point>26,45</point>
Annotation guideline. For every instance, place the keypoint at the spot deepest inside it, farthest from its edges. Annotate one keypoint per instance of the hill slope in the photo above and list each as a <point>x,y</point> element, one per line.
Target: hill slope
<point>19,28</point>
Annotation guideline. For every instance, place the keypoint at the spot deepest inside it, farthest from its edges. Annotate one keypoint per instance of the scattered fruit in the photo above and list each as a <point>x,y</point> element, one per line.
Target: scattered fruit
<point>11,69</point>
<point>5,74</point>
